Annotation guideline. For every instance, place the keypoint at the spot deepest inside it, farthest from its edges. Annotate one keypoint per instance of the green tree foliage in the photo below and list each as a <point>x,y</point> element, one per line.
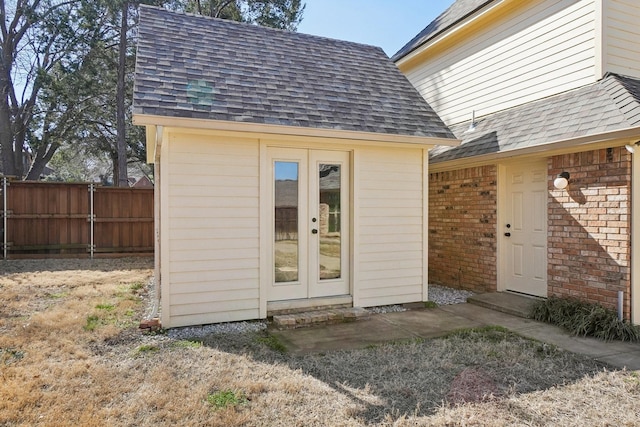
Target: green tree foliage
<point>42,45</point>
<point>66,78</point>
<point>283,14</point>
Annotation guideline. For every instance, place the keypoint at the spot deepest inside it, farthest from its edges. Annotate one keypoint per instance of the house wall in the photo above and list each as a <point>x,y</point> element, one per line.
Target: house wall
<point>210,229</point>
<point>589,227</point>
<point>462,228</point>
<point>622,46</point>
<point>390,254</point>
<point>533,50</point>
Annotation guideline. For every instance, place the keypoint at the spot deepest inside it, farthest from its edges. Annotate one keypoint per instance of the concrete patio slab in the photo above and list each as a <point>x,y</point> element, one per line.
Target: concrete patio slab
<point>431,323</point>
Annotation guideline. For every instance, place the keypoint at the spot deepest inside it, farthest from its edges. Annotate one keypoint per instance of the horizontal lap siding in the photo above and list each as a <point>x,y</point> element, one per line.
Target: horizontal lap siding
<point>622,32</point>
<point>545,49</point>
<point>213,211</point>
<point>390,226</point>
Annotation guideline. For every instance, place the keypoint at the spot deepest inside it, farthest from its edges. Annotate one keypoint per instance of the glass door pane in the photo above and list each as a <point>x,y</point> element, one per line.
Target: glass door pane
<point>329,221</point>
<point>286,244</point>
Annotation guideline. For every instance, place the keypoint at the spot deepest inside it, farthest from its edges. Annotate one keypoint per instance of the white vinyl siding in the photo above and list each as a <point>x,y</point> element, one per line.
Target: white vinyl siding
<point>622,32</point>
<point>545,48</point>
<point>213,240</point>
<point>390,226</point>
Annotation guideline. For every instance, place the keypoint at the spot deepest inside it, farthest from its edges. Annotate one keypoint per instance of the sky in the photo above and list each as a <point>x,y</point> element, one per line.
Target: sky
<point>389,24</point>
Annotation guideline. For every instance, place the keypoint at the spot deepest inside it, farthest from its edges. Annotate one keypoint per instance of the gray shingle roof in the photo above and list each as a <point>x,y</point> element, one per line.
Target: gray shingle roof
<point>457,12</point>
<point>611,104</point>
<point>204,68</point>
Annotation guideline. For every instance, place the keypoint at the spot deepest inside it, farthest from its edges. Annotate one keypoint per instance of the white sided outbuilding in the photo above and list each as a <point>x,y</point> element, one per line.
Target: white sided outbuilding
<point>291,170</point>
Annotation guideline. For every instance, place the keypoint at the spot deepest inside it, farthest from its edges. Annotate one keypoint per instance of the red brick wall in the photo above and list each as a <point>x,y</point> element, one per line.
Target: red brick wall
<point>462,227</point>
<point>589,227</point>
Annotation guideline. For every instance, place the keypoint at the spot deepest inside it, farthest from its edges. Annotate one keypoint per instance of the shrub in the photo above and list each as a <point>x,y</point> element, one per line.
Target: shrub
<point>584,318</point>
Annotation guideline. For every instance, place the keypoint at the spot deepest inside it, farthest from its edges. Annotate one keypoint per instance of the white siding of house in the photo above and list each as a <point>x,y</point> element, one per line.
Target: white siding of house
<point>622,37</point>
<point>389,242</point>
<point>544,48</point>
<point>211,273</point>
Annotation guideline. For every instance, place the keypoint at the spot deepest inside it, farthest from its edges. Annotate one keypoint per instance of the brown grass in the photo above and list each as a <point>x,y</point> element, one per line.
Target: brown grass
<point>56,371</point>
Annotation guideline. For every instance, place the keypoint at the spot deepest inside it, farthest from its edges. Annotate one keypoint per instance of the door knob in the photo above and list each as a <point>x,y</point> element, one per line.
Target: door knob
<point>314,231</point>
<point>507,234</point>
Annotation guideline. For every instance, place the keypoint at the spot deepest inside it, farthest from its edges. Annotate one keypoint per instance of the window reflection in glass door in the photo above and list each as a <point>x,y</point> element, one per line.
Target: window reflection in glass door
<point>330,249</point>
<point>286,222</point>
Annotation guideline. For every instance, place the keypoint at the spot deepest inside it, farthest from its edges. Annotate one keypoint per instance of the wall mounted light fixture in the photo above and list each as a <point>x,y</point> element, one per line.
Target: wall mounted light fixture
<point>632,147</point>
<point>562,180</point>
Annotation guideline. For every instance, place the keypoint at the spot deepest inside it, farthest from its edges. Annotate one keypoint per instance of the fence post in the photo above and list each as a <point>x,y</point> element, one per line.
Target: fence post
<point>91,218</point>
<point>5,213</point>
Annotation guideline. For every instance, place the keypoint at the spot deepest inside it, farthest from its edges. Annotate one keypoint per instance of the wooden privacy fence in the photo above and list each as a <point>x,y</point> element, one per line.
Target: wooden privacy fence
<point>41,218</point>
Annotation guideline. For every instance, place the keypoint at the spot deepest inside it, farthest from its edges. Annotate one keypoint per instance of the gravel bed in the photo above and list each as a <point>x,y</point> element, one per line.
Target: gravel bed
<point>190,332</point>
<point>387,309</point>
<point>442,295</point>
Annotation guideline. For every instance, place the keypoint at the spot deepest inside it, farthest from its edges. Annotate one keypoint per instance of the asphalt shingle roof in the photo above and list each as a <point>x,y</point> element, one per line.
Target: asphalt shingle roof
<point>610,104</point>
<point>457,12</point>
<point>204,68</point>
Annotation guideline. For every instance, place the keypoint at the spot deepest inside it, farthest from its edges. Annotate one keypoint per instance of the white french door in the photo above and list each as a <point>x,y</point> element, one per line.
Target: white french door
<point>310,223</point>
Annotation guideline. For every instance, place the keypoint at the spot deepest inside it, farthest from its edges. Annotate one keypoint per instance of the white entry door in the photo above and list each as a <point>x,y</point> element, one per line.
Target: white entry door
<point>310,223</point>
<point>525,228</point>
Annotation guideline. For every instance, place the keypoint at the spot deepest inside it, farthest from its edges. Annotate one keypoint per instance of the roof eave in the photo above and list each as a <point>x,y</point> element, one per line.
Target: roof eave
<point>260,128</point>
<point>477,17</point>
<point>564,146</point>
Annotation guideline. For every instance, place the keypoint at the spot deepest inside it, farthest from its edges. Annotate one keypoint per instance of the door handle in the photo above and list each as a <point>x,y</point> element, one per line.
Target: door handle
<point>507,234</point>
<point>314,231</point>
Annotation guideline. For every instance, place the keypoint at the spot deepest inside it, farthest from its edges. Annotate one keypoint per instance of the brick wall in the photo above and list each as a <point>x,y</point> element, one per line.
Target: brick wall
<point>589,227</point>
<point>462,227</point>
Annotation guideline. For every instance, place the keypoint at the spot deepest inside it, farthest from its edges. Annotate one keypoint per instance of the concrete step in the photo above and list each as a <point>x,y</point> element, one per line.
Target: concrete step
<point>320,317</point>
<point>505,302</point>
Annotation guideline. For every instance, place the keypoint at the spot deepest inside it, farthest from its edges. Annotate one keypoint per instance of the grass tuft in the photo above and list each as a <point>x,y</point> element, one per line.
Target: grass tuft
<point>58,295</point>
<point>186,344</point>
<point>226,398</point>
<point>273,343</point>
<point>145,349</point>
<point>136,286</point>
<point>584,319</point>
<point>92,323</point>
<point>430,304</point>
<point>106,307</point>
<point>493,334</point>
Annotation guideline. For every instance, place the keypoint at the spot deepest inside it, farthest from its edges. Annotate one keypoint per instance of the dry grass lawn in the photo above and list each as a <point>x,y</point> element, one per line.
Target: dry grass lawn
<point>70,354</point>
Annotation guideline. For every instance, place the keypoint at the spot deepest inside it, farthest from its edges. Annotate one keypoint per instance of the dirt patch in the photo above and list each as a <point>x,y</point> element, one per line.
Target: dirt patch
<point>71,354</point>
<point>472,385</point>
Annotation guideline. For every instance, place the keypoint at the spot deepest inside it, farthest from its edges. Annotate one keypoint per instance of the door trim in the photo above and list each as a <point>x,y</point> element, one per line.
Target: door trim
<point>266,275</point>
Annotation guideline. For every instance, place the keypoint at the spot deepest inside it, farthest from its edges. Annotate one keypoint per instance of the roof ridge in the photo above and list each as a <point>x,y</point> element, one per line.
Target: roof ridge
<point>256,26</point>
<point>624,91</point>
<point>459,11</point>
<point>198,67</point>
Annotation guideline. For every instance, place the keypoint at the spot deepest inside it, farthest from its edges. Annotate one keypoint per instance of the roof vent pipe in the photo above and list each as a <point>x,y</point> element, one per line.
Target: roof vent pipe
<point>472,126</point>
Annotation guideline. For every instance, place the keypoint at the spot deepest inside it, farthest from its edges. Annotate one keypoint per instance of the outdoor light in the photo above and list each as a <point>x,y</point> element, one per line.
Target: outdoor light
<point>632,147</point>
<point>562,180</point>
